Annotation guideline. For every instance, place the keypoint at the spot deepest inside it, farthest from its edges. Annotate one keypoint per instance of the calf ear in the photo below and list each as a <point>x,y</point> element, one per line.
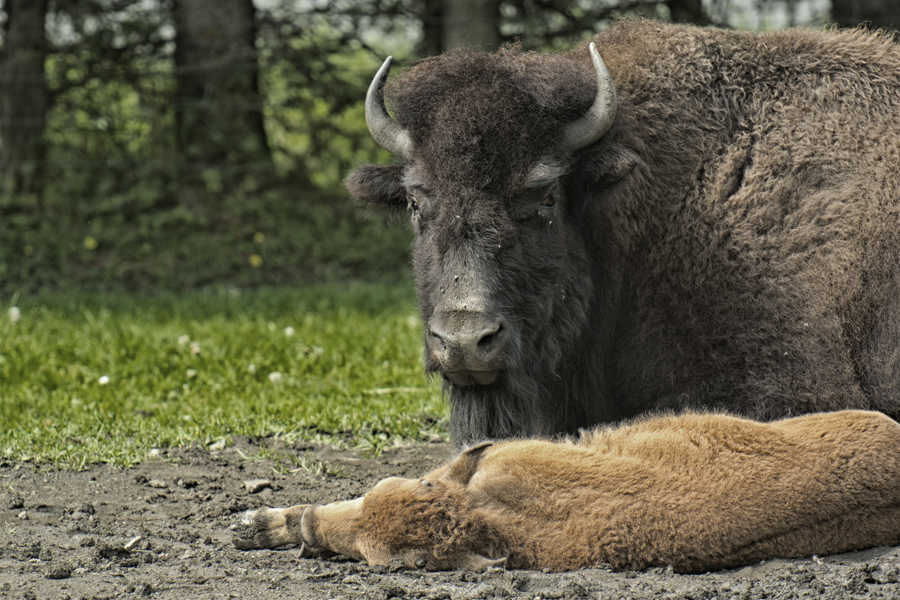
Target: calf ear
<point>382,185</point>
<point>466,463</point>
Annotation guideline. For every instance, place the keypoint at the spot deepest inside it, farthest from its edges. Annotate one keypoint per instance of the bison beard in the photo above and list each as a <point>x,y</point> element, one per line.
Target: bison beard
<point>731,240</point>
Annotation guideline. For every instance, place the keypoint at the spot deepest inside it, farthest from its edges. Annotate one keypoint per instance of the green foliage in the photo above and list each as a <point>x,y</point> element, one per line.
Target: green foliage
<point>89,378</point>
<point>315,70</point>
<point>150,238</point>
<point>121,209</point>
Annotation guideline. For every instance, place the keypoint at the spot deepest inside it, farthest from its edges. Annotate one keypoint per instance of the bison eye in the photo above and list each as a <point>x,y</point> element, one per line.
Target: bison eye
<point>549,201</point>
<point>413,206</point>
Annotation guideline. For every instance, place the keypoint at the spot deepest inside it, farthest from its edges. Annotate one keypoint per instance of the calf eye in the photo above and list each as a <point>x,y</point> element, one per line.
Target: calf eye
<point>426,483</point>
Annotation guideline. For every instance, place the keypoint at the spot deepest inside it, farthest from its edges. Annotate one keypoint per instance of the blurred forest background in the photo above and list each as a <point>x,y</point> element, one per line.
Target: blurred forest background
<point>181,144</point>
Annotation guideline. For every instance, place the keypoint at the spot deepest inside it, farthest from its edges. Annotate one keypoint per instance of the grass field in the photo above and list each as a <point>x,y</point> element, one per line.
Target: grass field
<point>86,379</point>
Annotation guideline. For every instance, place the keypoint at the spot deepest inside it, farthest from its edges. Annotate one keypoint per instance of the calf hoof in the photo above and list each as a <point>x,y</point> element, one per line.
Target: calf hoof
<point>264,528</point>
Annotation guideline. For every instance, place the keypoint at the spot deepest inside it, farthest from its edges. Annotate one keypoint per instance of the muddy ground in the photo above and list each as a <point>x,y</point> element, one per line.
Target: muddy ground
<point>160,530</point>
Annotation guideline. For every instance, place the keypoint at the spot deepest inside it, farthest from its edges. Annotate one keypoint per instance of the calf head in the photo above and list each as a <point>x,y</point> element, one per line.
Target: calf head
<point>427,523</point>
<point>489,145</point>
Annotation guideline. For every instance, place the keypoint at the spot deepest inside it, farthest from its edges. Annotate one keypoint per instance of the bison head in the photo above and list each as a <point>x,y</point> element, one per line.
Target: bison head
<point>500,188</point>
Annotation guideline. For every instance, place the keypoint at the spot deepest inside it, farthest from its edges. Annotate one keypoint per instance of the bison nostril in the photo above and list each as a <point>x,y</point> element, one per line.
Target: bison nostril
<point>489,338</point>
<point>438,336</point>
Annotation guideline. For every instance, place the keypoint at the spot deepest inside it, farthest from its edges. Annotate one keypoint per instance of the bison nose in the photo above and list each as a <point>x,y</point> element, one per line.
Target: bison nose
<point>466,347</point>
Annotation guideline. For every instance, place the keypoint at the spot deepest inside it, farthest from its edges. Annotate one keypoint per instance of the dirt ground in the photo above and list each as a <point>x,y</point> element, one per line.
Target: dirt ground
<point>161,530</point>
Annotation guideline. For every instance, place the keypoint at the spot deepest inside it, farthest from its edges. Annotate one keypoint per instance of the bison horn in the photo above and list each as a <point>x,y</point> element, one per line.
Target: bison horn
<point>599,118</point>
<point>386,131</point>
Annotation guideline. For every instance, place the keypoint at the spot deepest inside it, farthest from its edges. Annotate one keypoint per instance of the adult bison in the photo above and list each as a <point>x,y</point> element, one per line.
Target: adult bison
<point>712,222</point>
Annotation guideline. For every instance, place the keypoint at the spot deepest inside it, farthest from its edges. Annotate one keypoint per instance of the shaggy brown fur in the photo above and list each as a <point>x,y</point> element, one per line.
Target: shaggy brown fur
<point>698,491</point>
<point>732,242</point>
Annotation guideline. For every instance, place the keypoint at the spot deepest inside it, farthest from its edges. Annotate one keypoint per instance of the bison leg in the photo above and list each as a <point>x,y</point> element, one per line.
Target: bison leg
<point>270,528</point>
<point>318,530</point>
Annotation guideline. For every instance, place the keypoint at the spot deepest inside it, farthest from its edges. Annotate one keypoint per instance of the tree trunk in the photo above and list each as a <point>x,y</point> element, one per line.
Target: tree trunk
<point>24,98</point>
<point>878,13</point>
<point>472,23</point>
<point>219,108</point>
<point>687,11</point>
<point>432,17</point>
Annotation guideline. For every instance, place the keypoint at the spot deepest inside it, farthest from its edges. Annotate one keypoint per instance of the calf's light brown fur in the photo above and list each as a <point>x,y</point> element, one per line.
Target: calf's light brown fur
<point>699,491</point>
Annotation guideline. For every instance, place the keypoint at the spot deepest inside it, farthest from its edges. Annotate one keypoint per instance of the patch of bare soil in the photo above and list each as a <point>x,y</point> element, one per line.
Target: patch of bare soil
<point>161,530</point>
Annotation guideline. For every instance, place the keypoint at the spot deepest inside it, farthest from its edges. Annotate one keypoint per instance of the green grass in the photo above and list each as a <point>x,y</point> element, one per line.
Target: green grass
<point>339,363</point>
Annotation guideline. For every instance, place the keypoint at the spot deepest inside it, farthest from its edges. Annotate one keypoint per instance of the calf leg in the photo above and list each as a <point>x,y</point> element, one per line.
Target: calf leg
<point>270,528</point>
<point>318,530</point>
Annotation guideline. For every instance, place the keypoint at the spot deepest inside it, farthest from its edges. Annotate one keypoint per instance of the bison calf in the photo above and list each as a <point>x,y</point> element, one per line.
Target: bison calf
<point>700,492</point>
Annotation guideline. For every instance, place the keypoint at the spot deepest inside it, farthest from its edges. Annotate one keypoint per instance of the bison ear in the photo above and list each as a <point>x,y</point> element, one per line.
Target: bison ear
<point>466,463</point>
<point>610,164</point>
<point>382,185</point>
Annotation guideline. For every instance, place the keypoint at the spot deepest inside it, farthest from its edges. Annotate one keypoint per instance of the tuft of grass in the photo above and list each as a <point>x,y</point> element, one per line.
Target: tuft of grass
<point>87,379</point>
<point>285,460</point>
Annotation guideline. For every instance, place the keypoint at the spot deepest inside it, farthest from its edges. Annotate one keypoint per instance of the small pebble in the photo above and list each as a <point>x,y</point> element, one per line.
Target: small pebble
<point>59,572</point>
<point>255,486</point>
<point>133,542</point>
